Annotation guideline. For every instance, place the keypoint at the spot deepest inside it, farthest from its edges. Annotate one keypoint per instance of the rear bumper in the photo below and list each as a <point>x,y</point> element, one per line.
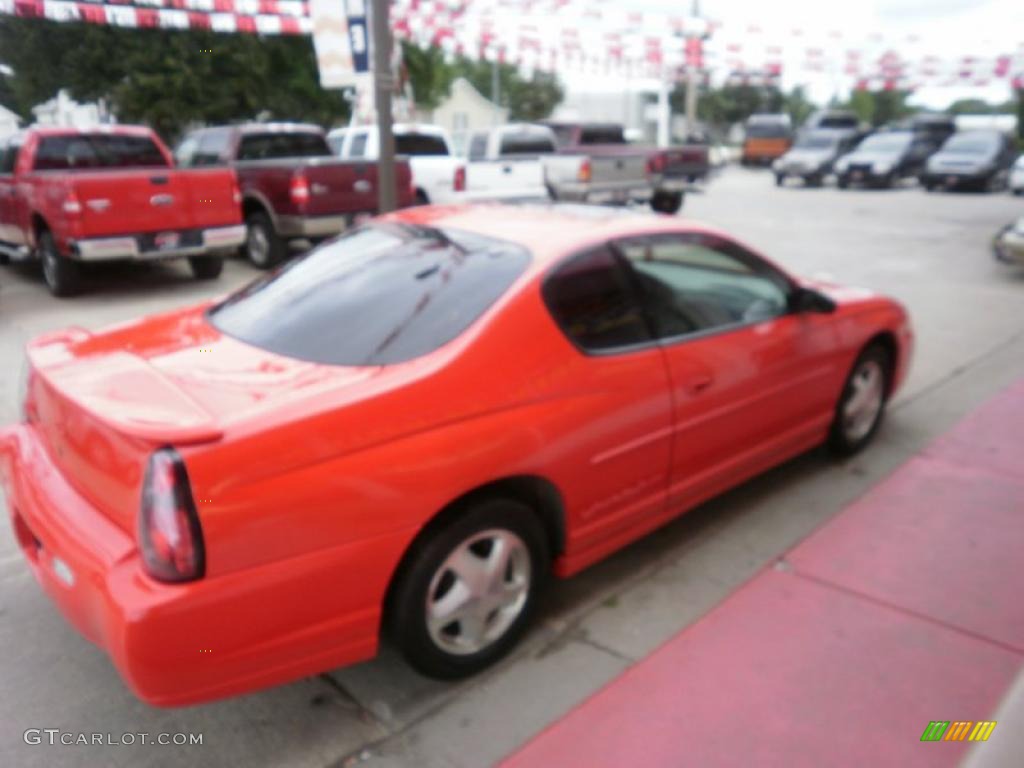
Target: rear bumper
<point>185,643</point>
<point>311,226</point>
<point>604,193</point>
<point>953,178</point>
<point>211,241</point>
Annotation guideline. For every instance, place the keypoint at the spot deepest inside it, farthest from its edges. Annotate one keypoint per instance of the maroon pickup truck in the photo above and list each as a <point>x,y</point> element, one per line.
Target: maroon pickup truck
<point>293,187</point>
<point>69,197</point>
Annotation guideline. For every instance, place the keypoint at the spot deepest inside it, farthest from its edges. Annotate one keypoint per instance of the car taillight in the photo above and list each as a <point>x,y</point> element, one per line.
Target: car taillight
<point>656,164</point>
<point>170,538</point>
<point>459,184</point>
<point>71,205</point>
<point>584,172</point>
<point>299,189</point>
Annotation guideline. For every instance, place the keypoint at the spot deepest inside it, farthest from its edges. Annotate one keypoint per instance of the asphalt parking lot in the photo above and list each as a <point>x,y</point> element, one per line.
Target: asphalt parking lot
<point>932,251</point>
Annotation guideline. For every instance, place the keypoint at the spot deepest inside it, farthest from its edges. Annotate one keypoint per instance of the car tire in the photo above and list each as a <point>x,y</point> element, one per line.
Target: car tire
<point>861,405</point>
<point>780,179</point>
<point>667,202</point>
<point>63,276</point>
<point>263,247</point>
<point>842,182</point>
<point>421,198</point>
<point>455,559</point>
<point>206,267</point>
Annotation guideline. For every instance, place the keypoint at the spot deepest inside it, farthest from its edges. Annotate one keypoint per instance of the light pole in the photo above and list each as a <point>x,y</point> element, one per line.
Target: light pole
<point>383,87</point>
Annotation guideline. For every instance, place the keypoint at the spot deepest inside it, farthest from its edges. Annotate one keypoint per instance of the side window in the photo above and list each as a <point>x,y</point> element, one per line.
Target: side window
<point>213,146</point>
<point>695,283</point>
<point>358,147</point>
<point>590,298</point>
<point>478,146</point>
<point>185,154</point>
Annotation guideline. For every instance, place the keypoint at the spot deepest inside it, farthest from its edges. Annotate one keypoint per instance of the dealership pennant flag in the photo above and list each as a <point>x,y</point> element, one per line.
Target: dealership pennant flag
<point>341,40</point>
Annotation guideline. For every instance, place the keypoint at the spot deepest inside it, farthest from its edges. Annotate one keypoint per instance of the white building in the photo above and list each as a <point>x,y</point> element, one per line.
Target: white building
<point>8,121</point>
<point>65,112</point>
<point>465,110</point>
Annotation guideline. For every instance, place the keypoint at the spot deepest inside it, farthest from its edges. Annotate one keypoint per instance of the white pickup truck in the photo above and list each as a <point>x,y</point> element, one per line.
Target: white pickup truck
<point>512,162</point>
<point>439,176</point>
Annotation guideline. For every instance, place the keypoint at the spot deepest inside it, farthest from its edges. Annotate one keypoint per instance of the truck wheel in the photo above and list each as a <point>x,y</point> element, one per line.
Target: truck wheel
<point>62,275</point>
<point>842,182</point>
<point>262,245</point>
<point>206,267</point>
<point>780,179</point>
<point>667,202</point>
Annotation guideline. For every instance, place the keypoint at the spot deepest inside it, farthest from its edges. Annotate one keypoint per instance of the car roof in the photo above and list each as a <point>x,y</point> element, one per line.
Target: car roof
<point>548,230</point>
<point>100,128</point>
<point>277,128</point>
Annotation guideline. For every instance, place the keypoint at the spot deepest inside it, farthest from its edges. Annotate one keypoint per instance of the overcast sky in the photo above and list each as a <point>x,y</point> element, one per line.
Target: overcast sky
<point>947,28</point>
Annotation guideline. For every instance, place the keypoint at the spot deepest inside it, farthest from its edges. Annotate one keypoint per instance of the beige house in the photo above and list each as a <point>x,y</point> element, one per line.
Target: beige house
<point>465,110</point>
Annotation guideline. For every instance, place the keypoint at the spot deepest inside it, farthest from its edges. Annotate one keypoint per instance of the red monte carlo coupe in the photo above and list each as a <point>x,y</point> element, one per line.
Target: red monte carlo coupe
<point>406,430</point>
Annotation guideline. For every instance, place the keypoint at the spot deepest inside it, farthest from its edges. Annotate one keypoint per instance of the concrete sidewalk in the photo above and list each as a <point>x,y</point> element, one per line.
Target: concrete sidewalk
<point>905,608</point>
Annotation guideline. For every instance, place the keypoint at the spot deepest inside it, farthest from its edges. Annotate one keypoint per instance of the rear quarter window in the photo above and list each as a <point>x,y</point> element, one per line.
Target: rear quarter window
<point>382,294</point>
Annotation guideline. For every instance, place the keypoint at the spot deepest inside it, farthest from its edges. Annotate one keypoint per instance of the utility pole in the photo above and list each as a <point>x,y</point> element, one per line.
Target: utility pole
<point>383,87</point>
<point>697,31</point>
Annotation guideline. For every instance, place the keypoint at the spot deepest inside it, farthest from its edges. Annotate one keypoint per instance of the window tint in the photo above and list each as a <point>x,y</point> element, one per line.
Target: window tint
<point>591,301</point>
<point>478,146</point>
<point>527,143</point>
<point>420,144</point>
<point>358,146</point>
<point>84,151</point>
<point>274,145</point>
<point>602,134</point>
<point>696,283</point>
<point>381,294</point>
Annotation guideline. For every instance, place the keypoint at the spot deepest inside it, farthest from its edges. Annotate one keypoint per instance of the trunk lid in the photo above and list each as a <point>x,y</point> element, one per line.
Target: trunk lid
<point>104,403</point>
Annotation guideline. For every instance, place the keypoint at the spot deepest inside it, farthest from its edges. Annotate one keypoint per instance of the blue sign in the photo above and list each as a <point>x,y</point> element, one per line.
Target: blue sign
<point>359,35</point>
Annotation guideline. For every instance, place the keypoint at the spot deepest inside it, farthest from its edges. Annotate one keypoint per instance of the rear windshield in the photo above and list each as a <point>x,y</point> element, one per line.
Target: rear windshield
<point>838,121</point>
<point>767,130</point>
<point>85,151</point>
<point>886,142</point>
<point>602,134</point>
<point>971,144</point>
<point>526,143</point>
<point>420,144</point>
<point>267,146</point>
<point>381,294</point>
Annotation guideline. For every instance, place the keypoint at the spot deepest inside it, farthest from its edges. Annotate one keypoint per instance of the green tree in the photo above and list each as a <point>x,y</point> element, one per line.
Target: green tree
<point>167,78</point>
<point>430,76</point>
<point>797,105</point>
<point>731,103</point>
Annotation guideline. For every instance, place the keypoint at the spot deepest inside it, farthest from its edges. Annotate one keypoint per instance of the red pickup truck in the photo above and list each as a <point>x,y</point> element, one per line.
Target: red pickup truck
<point>69,197</point>
<point>293,187</point>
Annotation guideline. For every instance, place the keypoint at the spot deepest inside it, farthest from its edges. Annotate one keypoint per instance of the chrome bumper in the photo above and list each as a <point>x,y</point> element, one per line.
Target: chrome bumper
<point>112,248</point>
<point>311,226</point>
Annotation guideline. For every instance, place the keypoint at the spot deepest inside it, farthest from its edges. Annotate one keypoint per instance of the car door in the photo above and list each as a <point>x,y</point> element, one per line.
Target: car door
<point>620,461</point>
<point>752,382</point>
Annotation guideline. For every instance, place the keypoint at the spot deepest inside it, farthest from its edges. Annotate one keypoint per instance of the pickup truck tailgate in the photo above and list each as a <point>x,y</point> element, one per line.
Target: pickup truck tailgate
<point>129,201</point>
<point>613,170</point>
<point>518,179</point>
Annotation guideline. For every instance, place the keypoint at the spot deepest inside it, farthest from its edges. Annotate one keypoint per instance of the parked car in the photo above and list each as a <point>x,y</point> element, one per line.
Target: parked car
<point>71,197</point>
<point>1016,180</point>
<point>437,174</point>
<point>293,187</point>
<point>767,137</point>
<point>1008,244</point>
<point>834,119</point>
<point>464,401</point>
<point>976,159</point>
<point>813,154</point>
<point>883,159</point>
<point>625,172</point>
<point>511,162</point>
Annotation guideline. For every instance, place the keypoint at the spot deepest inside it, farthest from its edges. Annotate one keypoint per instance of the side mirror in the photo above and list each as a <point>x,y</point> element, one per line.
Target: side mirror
<point>809,300</point>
